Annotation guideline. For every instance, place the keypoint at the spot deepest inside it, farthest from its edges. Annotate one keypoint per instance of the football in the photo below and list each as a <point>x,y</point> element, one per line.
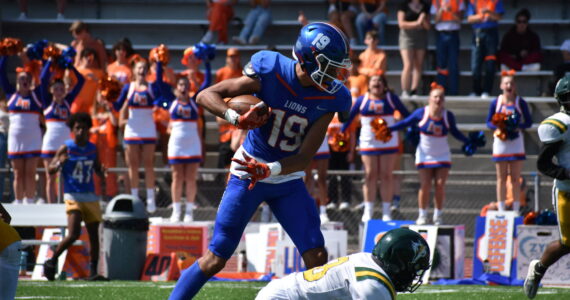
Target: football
<point>242,104</point>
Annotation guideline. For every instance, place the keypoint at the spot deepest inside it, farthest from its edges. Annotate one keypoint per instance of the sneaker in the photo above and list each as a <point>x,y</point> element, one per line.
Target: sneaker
<point>150,206</point>
<point>484,95</point>
<point>50,268</point>
<point>175,217</point>
<point>532,280</point>
<point>386,218</point>
<point>405,94</point>
<point>437,220</point>
<point>253,40</point>
<point>60,17</point>
<point>324,218</point>
<point>366,216</point>
<point>23,16</point>
<point>41,201</point>
<point>421,221</point>
<point>331,205</point>
<point>472,95</point>
<point>188,218</point>
<point>17,201</point>
<point>395,205</point>
<point>344,206</point>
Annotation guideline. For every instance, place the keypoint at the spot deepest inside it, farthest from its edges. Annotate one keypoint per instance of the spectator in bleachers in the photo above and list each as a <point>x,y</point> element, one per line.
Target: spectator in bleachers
<point>192,64</point>
<point>120,68</point>
<point>232,69</point>
<point>219,13</point>
<point>520,47</point>
<point>4,127</point>
<point>564,68</point>
<point>257,20</point>
<point>508,142</point>
<point>447,16</point>
<point>357,83</point>
<point>87,67</point>
<point>342,148</point>
<point>105,137</point>
<point>56,107</point>
<point>373,15</point>
<point>184,150</point>
<point>414,23</point>
<point>377,156</point>
<point>341,14</point>
<point>61,4</point>
<point>10,249</point>
<point>433,156</point>
<point>84,40</point>
<point>24,133</point>
<point>320,162</point>
<point>136,105</point>
<point>484,16</point>
<point>372,59</point>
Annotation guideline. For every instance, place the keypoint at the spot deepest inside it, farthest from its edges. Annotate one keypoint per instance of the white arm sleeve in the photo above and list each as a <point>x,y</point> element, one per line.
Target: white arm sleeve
<point>549,132</point>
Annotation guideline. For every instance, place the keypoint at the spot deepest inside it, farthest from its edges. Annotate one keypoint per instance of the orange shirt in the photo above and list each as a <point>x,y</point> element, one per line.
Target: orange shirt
<point>161,118</point>
<point>453,7</point>
<point>227,73</point>
<point>358,85</point>
<point>86,98</point>
<point>372,61</point>
<point>121,72</point>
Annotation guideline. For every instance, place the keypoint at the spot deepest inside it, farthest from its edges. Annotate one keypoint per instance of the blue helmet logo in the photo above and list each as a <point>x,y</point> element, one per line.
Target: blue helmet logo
<point>322,50</point>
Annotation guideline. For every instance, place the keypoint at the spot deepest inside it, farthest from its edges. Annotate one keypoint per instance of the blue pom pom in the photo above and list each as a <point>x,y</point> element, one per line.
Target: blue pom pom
<point>469,149</point>
<point>205,51</point>
<point>413,135</point>
<point>35,51</point>
<point>512,122</point>
<point>477,138</point>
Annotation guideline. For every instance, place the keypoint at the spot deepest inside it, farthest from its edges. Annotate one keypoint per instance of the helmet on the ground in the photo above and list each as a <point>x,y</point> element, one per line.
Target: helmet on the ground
<point>322,50</point>
<point>562,93</point>
<point>404,255</point>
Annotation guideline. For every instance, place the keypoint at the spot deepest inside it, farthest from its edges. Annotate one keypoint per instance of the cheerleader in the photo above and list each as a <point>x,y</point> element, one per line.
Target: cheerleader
<point>24,133</point>
<point>184,149</point>
<point>433,157</point>
<point>378,157</point>
<point>508,143</point>
<point>136,109</point>
<point>57,105</point>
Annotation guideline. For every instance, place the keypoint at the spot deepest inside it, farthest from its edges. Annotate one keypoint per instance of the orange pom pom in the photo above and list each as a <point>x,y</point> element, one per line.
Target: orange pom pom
<point>380,129</point>
<point>338,141</point>
<point>499,120</point>
<point>110,88</point>
<point>52,52</point>
<point>11,46</point>
<point>161,52</point>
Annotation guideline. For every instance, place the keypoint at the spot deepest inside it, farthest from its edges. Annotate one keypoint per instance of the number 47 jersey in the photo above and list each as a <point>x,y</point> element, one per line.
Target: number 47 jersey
<point>294,110</point>
<point>77,170</point>
<point>356,276</point>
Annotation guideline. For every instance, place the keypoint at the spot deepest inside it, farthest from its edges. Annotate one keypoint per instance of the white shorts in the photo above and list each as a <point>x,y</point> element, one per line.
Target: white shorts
<point>140,127</point>
<point>24,143</point>
<point>184,145</point>
<point>509,150</point>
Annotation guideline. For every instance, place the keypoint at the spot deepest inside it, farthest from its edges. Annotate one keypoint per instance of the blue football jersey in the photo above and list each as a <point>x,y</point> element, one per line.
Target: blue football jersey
<point>77,170</point>
<point>294,108</point>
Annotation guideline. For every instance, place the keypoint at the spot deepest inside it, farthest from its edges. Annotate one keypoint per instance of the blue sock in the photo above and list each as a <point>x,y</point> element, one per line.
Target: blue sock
<point>189,284</point>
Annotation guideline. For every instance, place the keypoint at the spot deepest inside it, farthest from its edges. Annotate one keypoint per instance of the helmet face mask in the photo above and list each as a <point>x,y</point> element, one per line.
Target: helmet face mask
<point>322,51</point>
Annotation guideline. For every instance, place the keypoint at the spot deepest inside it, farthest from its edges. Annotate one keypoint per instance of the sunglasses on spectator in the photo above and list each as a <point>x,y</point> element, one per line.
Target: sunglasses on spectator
<point>522,21</point>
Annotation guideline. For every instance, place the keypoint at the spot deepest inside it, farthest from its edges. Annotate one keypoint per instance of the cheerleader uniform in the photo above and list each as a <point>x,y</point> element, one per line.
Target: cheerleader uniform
<point>184,145</point>
<point>370,109</point>
<point>509,150</point>
<point>433,148</point>
<point>24,133</point>
<point>140,128</point>
<point>56,116</point>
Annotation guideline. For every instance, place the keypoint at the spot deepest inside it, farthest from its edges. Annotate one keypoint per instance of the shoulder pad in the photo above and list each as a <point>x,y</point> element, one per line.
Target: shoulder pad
<point>552,130</point>
<point>249,71</point>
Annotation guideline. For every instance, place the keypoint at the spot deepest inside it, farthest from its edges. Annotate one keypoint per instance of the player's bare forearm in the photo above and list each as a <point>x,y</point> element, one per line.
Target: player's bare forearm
<point>58,160</point>
<point>212,98</point>
<point>309,147</point>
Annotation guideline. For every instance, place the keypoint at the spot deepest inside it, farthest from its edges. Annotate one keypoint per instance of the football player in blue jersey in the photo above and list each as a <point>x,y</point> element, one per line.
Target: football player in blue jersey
<point>303,96</point>
<point>77,159</point>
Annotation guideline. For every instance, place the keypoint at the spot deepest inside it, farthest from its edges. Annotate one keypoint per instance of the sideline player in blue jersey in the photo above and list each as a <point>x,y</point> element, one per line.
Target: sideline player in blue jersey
<point>77,159</point>
<point>303,95</point>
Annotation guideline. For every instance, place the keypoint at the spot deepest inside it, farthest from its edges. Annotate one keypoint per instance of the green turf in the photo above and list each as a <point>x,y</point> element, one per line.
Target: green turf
<point>240,291</point>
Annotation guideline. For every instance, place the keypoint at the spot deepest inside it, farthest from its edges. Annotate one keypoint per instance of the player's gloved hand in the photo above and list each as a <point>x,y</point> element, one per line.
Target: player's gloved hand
<point>256,171</point>
<point>254,118</point>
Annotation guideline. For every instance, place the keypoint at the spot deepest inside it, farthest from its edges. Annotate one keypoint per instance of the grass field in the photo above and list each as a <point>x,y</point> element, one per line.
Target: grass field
<point>246,290</point>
